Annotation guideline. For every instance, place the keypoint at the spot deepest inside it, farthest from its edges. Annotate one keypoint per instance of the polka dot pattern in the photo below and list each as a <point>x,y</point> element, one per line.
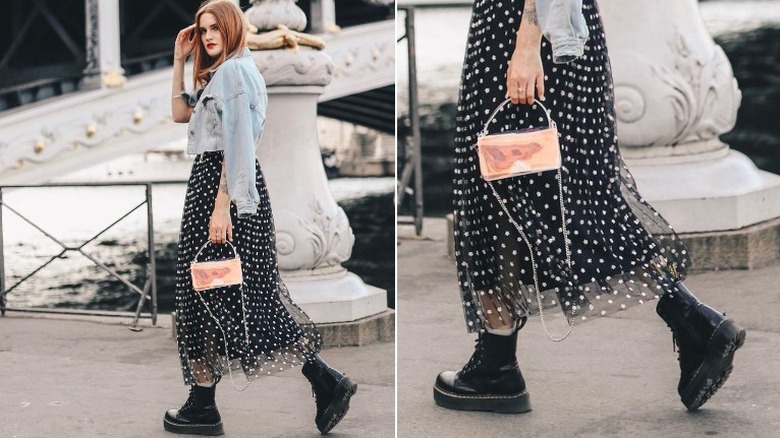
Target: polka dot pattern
<point>255,328</point>
<point>623,252</point>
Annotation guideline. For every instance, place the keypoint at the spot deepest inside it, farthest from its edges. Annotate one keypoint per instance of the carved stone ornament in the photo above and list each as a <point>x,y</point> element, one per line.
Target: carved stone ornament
<point>268,14</point>
<point>305,67</point>
<point>702,94</point>
<point>320,240</point>
<point>675,92</point>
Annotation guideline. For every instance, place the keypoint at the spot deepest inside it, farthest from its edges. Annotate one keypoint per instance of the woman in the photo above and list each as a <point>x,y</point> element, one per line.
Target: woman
<point>594,246</point>
<point>254,328</point>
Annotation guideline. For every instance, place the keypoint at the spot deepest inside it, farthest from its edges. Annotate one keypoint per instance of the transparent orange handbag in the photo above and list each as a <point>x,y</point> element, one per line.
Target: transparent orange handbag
<point>216,273</point>
<point>516,153</point>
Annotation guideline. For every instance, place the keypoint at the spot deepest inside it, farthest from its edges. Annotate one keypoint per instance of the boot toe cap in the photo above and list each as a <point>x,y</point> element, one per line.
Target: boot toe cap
<point>446,379</point>
<point>171,414</point>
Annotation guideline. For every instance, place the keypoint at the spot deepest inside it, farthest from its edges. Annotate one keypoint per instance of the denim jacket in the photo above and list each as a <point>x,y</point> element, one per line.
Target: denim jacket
<point>228,115</point>
<point>563,24</point>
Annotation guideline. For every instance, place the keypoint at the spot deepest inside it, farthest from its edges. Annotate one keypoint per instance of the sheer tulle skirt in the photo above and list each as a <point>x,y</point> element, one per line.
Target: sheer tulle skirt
<point>254,329</point>
<point>623,252</point>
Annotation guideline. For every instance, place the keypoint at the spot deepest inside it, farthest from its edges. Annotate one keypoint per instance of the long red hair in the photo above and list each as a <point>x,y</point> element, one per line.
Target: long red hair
<point>232,25</point>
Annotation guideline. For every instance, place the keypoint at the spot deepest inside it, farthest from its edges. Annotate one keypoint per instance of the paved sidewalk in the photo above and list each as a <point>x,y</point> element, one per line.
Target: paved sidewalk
<point>73,378</point>
<point>613,377</point>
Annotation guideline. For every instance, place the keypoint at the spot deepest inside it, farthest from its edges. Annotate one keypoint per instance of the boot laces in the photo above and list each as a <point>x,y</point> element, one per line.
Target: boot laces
<point>687,354</point>
<point>476,357</point>
<point>190,400</point>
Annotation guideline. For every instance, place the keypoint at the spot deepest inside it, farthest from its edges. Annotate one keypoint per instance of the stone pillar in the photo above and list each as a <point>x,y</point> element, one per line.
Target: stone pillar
<point>104,56</point>
<point>323,15</point>
<point>312,231</point>
<point>675,93</point>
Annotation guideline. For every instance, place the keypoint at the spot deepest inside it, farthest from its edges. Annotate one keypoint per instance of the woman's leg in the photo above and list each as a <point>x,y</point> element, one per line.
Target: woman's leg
<point>498,319</point>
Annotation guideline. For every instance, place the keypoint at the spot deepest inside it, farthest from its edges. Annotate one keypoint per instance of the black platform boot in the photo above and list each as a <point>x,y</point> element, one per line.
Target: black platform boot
<point>706,340</point>
<point>198,415</point>
<point>490,381</point>
<point>331,390</point>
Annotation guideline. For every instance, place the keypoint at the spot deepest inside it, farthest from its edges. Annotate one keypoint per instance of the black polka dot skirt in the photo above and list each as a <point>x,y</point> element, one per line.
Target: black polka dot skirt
<point>254,329</point>
<point>622,252</point>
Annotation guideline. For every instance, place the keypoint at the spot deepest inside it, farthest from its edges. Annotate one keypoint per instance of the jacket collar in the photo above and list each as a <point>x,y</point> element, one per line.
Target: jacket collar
<point>239,54</point>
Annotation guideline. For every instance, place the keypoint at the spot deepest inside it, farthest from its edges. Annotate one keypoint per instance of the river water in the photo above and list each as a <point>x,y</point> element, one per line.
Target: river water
<point>74,215</point>
<point>748,31</point>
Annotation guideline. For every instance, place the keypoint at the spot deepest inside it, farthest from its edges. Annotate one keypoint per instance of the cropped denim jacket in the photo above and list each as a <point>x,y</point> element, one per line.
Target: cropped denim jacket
<point>228,115</point>
<point>563,24</point>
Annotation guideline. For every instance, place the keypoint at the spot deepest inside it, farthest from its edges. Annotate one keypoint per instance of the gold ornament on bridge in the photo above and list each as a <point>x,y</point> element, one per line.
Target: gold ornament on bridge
<point>283,37</point>
<point>113,79</point>
<point>332,28</point>
<point>39,146</point>
<point>91,130</point>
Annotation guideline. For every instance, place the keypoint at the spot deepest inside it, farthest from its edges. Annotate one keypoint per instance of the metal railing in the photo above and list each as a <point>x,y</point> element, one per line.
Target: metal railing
<point>412,151</point>
<point>149,290</point>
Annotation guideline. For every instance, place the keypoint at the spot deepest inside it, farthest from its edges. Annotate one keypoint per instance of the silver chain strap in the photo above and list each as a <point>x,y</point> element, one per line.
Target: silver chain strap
<point>533,258</point>
<point>216,321</point>
<point>224,336</point>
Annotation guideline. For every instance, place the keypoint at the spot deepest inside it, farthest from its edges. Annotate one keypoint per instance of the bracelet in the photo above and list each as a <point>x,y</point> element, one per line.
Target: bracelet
<point>175,96</point>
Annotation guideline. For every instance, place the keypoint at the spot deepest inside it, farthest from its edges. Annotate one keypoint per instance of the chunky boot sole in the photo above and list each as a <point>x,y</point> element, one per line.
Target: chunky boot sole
<point>716,367</point>
<point>194,429</point>
<point>501,403</point>
<point>338,407</point>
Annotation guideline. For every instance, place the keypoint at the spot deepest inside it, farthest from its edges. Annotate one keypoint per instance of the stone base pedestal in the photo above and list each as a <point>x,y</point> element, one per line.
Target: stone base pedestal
<point>337,296</point>
<point>725,209</point>
<point>704,194</point>
<point>364,331</point>
<point>751,247</point>
<point>376,328</point>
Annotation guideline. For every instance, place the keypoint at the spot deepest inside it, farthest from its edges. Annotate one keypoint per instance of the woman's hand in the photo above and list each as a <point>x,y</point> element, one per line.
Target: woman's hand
<point>525,76</point>
<point>185,43</point>
<point>220,225</point>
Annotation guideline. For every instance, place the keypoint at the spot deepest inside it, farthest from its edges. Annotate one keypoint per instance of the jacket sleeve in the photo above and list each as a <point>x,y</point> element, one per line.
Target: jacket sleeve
<point>240,154</point>
<point>563,24</point>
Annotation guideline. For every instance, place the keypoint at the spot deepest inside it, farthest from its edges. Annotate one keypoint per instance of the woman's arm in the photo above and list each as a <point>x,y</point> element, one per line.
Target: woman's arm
<point>220,225</point>
<point>183,46</point>
<point>525,74</point>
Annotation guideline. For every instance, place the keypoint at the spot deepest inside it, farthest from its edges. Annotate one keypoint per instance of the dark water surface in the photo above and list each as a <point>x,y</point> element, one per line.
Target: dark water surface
<point>72,281</point>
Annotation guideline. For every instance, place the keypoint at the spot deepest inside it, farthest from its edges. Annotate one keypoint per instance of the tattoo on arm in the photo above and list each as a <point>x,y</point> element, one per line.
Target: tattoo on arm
<point>529,12</point>
<point>223,181</point>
